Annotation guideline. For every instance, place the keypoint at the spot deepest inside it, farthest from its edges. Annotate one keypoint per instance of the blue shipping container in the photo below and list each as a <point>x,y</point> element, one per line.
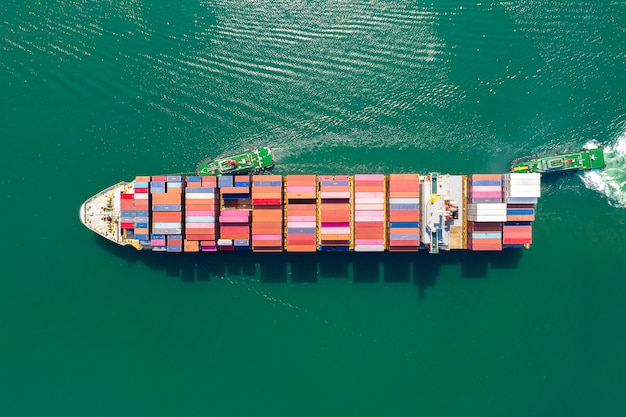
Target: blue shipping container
<point>204,190</point>
<point>486,182</point>
<point>486,235</point>
<point>225,181</point>
<point>166,207</point>
<point>200,219</point>
<point>235,196</point>
<point>394,225</point>
<point>518,223</point>
<point>338,182</point>
<point>404,206</point>
<point>406,236</point>
<point>301,230</point>
<point>520,212</point>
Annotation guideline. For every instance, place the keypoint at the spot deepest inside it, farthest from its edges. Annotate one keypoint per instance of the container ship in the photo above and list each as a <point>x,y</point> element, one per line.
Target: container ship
<point>582,160</point>
<point>309,213</point>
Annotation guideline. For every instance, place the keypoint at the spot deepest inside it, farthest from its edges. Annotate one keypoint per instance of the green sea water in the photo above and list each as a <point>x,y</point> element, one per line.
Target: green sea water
<point>95,92</point>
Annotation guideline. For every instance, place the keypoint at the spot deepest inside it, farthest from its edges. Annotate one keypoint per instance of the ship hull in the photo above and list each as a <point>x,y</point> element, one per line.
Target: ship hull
<point>310,213</point>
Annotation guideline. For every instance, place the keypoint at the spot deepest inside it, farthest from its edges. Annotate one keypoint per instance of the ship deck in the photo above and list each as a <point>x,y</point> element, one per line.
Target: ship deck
<point>101,213</point>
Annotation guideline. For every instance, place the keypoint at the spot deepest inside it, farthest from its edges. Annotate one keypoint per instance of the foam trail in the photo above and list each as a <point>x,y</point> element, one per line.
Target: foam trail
<point>611,181</point>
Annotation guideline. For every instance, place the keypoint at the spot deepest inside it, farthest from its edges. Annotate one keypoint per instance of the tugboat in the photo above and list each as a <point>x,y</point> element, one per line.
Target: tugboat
<point>582,160</point>
<point>250,161</point>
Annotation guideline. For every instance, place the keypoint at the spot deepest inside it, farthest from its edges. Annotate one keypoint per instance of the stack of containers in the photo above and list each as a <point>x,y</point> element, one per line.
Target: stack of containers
<point>166,195</point>
<point>520,212</point>
<point>404,213</point>
<point>516,234</point>
<point>127,208</point>
<point>267,213</point>
<point>485,188</point>
<point>521,188</point>
<point>174,243</point>
<point>301,213</point>
<point>485,212</point>
<point>335,208</point>
<point>521,191</point>
<point>234,219</point>
<point>200,214</point>
<point>484,236</point>
<point>142,219</point>
<point>369,213</point>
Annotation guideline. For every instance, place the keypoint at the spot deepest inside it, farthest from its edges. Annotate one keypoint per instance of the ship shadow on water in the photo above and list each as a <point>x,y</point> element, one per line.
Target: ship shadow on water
<point>420,269</point>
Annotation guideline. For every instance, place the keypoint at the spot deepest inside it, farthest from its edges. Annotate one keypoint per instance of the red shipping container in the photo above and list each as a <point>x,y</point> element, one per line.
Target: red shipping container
<point>209,182</point>
<point>301,239</point>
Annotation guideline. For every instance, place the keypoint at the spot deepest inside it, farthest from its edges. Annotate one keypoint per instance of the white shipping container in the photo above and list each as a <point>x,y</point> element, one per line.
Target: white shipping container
<point>369,248</point>
<point>369,200</point>
<point>375,207</point>
<point>522,200</point>
<point>486,218</point>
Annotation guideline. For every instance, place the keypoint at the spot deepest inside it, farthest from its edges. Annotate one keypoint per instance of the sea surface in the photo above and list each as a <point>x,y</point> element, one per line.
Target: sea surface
<point>95,92</point>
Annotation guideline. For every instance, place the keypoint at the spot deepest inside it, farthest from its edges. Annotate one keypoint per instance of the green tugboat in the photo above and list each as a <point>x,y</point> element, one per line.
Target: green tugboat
<point>250,161</point>
<point>582,160</point>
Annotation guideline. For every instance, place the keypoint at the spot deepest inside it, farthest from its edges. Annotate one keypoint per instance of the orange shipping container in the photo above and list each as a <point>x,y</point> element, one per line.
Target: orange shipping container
<point>301,248</point>
<point>266,189</point>
<point>166,216</point>
<point>301,209</point>
<point>191,246</point>
<point>340,237</point>
<point>261,216</point>
<point>208,202</point>
<point>166,198</point>
<point>395,243</point>
<point>267,228</point>
<point>201,236</point>
<point>404,230</point>
<point>403,194</point>
<point>234,190</point>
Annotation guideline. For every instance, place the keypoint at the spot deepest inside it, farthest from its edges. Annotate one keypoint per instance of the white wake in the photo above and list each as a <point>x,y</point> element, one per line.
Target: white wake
<point>611,181</point>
